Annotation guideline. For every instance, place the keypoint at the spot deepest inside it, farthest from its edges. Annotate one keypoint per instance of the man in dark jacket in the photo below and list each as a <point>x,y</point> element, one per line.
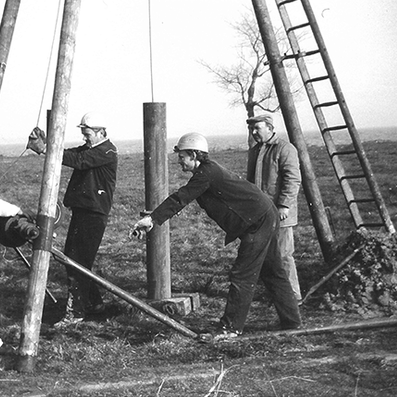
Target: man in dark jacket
<point>89,195</point>
<point>244,212</point>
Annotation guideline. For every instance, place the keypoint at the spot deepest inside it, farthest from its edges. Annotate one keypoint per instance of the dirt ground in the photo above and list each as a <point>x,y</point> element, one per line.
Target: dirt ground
<point>347,346</point>
<point>307,362</point>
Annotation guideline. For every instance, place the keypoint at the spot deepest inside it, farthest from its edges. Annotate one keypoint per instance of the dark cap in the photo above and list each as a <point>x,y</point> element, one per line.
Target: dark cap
<point>267,118</point>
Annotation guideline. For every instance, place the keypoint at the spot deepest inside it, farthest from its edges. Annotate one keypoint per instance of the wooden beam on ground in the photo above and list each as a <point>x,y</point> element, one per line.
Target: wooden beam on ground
<point>360,325</point>
<point>379,323</point>
<point>33,311</point>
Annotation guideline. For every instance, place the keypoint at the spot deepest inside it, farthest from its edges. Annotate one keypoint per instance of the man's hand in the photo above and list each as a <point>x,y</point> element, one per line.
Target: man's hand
<point>28,214</point>
<point>283,213</point>
<point>37,141</point>
<point>145,224</point>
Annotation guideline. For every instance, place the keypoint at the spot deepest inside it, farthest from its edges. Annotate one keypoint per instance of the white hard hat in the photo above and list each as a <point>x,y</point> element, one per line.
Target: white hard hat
<point>192,141</point>
<point>93,120</point>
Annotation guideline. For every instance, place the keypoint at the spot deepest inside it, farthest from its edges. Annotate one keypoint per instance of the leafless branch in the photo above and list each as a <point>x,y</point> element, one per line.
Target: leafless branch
<point>248,81</point>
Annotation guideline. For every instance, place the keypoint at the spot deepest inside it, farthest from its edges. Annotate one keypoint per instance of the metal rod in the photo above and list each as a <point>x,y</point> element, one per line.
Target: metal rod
<point>151,51</point>
<point>333,271</point>
<point>22,256</point>
<point>123,295</point>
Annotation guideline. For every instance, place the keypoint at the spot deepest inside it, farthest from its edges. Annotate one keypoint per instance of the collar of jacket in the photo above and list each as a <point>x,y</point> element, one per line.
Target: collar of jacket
<point>99,143</point>
<point>273,140</point>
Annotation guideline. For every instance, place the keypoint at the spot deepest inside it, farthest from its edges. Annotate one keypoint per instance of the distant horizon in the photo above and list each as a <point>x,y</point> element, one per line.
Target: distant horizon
<point>230,141</point>
<point>305,133</point>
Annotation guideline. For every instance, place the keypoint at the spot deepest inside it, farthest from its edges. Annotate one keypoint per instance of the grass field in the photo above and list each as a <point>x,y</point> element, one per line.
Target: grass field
<point>126,353</point>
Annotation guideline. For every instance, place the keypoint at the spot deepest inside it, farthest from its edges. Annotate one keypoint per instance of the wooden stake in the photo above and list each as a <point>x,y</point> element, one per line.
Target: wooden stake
<point>49,191</point>
<point>158,260</point>
<point>7,26</point>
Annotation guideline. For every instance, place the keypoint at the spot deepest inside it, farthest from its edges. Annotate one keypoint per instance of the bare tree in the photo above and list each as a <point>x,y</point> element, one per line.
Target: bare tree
<point>249,80</point>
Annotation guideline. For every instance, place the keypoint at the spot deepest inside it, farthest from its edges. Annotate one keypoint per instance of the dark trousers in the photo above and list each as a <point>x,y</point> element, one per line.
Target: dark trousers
<point>259,256</point>
<point>85,234</point>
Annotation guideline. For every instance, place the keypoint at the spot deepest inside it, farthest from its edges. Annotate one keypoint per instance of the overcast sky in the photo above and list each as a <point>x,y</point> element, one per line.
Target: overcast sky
<point>111,72</point>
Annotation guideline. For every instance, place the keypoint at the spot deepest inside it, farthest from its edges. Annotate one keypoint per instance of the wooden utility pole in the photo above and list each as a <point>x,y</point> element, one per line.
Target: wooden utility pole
<point>156,190</point>
<point>33,311</point>
<point>7,26</point>
<point>309,183</point>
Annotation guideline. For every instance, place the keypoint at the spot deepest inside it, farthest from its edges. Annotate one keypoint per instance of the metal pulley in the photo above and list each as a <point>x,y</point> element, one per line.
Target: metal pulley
<point>17,230</point>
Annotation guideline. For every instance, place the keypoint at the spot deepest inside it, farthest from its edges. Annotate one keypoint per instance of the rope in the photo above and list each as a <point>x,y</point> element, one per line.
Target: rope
<point>49,63</point>
<point>12,164</point>
<point>44,89</point>
<point>150,51</point>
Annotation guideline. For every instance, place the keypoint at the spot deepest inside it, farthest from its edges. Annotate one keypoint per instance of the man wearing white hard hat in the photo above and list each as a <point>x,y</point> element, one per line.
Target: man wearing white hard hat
<point>243,211</point>
<point>89,195</point>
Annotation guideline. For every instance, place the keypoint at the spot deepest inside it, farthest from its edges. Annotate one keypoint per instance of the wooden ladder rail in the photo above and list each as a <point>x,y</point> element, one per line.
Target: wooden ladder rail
<point>335,154</point>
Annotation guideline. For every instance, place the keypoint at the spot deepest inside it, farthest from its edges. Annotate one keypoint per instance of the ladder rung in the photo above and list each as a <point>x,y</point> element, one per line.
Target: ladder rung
<point>289,56</point>
<point>315,79</point>
<point>361,201</point>
<point>351,177</point>
<point>334,128</point>
<point>281,3</point>
<point>321,105</point>
<point>304,54</point>
<point>296,27</point>
<point>343,152</point>
<point>307,53</point>
<point>372,224</point>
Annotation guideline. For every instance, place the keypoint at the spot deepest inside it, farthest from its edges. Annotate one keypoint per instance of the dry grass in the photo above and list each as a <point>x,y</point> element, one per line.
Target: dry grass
<point>126,353</point>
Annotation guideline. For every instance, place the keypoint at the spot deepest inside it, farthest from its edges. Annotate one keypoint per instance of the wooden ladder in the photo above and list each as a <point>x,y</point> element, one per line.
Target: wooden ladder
<point>350,163</point>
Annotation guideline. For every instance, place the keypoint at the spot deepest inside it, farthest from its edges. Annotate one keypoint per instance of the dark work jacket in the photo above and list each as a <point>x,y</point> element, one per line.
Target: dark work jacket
<point>231,201</point>
<point>93,180</point>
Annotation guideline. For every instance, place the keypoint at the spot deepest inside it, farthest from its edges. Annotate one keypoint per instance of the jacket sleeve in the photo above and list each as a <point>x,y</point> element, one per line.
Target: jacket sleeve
<point>7,209</point>
<point>196,186</point>
<point>251,163</point>
<point>290,176</point>
<point>85,159</point>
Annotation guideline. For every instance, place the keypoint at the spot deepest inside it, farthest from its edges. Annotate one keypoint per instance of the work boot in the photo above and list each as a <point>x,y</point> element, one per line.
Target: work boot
<point>69,319</point>
<point>226,333</point>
